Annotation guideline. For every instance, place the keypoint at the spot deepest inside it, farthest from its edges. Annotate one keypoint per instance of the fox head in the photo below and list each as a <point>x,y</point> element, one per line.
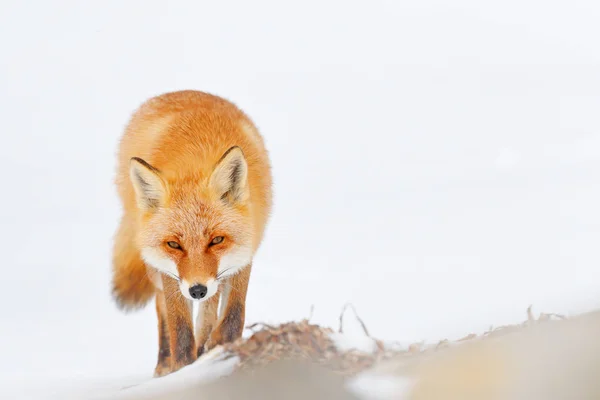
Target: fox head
<point>195,229</point>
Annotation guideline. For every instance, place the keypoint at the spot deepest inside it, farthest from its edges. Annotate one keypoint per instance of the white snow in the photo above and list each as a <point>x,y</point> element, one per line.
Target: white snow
<point>369,386</point>
<point>436,164</point>
<point>206,369</point>
<point>351,335</point>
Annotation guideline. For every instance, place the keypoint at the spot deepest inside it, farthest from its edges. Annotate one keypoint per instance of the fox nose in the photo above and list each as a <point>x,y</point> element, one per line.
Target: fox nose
<point>198,291</point>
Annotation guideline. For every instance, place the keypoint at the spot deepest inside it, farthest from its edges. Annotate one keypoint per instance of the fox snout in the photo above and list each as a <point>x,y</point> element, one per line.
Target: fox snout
<point>198,291</point>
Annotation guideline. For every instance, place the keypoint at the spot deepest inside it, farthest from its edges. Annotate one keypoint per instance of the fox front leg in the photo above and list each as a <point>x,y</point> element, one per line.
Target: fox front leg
<point>163,365</point>
<point>206,321</point>
<point>231,324</point>
<point>179,325</point>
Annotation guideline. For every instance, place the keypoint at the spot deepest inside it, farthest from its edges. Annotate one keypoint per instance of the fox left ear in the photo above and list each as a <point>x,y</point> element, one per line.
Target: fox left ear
<point>229,179</point>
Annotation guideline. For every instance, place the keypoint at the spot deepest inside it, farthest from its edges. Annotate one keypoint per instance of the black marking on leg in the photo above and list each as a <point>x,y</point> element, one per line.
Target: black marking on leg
<point>185,343</point>
<point>232,325</point>
<point>200,351</point>
<point>164,350</point>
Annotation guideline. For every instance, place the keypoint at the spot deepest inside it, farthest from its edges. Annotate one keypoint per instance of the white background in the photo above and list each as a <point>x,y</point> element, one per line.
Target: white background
<point>436,163</point>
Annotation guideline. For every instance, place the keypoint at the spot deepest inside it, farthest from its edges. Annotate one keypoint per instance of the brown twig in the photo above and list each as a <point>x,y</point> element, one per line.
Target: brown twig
<point>261,324</point>
<point>362,324</point>
<point>530,317</point>
<point>312,311</point>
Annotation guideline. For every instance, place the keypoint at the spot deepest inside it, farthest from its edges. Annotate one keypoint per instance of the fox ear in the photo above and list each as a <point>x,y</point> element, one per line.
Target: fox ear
<point>150,189</point>
<point>229,179</point>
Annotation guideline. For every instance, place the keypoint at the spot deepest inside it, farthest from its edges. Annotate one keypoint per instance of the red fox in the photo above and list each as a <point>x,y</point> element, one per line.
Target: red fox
<point>194,180</point>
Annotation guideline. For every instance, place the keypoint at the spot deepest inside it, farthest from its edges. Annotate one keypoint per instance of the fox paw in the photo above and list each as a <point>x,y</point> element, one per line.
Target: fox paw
<point>162,369</point>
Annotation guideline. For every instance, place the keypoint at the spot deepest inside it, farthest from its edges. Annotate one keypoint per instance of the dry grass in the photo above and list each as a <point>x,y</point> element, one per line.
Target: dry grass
<point>309,342</point>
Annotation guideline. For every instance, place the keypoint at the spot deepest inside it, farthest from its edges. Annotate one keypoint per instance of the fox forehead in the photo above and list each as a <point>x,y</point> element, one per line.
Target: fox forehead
<point>193,218</point>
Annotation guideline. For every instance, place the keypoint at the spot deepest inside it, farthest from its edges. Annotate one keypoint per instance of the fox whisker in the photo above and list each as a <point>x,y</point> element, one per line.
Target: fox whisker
<point>222,274</point>
<point>172,276</point>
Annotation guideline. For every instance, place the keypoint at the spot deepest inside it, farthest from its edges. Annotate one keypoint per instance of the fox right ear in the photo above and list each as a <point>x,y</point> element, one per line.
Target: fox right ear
<point>150,189</point>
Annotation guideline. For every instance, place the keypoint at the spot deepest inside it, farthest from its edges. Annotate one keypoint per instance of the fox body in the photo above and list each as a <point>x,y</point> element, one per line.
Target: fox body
<point>194,180</point>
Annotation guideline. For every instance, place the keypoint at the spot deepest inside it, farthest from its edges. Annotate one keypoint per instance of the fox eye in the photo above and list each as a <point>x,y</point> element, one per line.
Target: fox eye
<point>217,240</point>
<point>174,245</point>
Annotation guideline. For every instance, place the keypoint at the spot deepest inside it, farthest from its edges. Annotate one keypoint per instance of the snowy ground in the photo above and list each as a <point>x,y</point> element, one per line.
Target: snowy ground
<point>436,163</point>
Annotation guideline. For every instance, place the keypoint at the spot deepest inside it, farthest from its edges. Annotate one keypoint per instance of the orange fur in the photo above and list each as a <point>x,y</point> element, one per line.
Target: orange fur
<point>132,288</point>
<point>192,169</point>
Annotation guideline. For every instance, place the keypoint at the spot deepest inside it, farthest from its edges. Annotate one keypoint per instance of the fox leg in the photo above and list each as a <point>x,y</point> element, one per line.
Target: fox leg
<point>231,324</point>
<point>163,365</point>
<point>179,325</point>
<point>206,320</point>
